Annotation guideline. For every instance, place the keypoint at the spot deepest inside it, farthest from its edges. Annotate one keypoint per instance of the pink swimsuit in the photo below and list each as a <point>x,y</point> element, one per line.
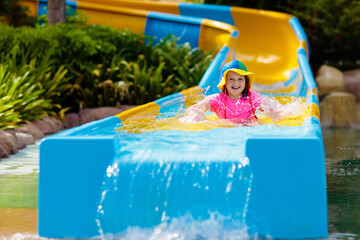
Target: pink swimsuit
<point>236,110</point>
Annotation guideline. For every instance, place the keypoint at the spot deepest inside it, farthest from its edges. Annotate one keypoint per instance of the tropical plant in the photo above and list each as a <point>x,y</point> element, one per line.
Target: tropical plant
<point>27,93</point>
<point>158,71</point>
<point>19,100</point>
<point>9,117</point>
<point>187,65</point>
<point>332,27</point>
<point>104,66</point>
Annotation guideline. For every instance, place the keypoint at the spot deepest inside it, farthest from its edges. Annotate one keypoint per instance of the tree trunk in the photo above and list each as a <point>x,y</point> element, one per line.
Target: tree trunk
<point>56,11</point>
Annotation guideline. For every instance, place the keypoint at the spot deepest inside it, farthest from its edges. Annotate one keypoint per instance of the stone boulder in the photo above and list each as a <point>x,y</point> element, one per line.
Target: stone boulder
<point>43,126</point>
<point>25,138</point>
<point>352,82</point>
<point>92,114</point>
<point>3,153</point>
<point>20,144</point>
<point>71,120</point>
<point>329,79</point>
<point>337,109</point>
<point>8,142</point>
<point>48,125</point>
<point>55,124</point>
<point>30,128</point>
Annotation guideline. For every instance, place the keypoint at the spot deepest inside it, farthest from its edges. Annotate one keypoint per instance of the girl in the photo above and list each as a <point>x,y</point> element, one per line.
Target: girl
<point>236,102</point>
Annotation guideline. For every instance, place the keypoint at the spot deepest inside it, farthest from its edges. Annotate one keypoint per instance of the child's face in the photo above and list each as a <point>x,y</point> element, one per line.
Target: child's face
<point>235,84</point>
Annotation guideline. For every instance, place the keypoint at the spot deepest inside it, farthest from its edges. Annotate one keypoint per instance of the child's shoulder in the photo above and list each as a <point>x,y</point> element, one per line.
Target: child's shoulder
<point>255,94</point>
<point>215,99</point>
<point>256,98</point>
<point>216,96</point>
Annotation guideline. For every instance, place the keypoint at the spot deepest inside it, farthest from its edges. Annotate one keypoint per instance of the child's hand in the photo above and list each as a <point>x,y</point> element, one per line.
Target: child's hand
<point>193,115</point>
<point>276,114</point>
<point>272,108</point>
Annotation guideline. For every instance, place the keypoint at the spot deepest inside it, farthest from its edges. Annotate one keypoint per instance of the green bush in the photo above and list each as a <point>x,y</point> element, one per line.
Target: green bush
<point>27,93</point>
<point>155,72</point>
<point>332,26</point>
<point>106,67</point>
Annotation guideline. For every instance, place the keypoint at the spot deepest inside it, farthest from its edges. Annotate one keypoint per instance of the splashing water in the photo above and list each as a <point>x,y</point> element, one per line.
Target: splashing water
<point>23,236</point>
<point>151,191</point>
<point>185,228</point>
<point>292,112</point>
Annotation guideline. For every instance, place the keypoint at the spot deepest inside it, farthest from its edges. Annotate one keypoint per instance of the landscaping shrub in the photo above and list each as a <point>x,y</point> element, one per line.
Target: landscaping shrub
<point>104,66</point>
<point>27,92</point>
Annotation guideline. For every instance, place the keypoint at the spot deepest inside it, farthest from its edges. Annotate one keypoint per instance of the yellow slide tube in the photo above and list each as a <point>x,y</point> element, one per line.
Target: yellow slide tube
<point>271,56</point>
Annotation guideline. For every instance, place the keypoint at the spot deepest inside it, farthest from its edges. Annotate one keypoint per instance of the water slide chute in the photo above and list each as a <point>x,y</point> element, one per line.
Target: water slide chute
<point>286,160</point>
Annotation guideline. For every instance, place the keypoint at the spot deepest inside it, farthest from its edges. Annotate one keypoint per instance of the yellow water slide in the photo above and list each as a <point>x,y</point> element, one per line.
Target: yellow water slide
<point>266,44</point>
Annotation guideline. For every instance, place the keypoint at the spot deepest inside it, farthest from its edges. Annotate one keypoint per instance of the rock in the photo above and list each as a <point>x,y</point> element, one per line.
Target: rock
<point>20,143</point>
<point>30,129</point>
<point>352,82</point>
<point>338,110</point>
<point>44,126</point>
<point>59,123</point>
<point>25,137</point>
<point>8,142</point>
<point>329,79</point>
<point>55,124</point>
<point>3,153</point>
<point>92,114</point>
<point>71,120</point>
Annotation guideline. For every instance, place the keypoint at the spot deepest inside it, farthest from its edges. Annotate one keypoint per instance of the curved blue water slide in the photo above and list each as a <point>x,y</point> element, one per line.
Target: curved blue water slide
<point>288,192</point>
<point>162,24</point>
<point>214,12</point>
<point>300,33</point>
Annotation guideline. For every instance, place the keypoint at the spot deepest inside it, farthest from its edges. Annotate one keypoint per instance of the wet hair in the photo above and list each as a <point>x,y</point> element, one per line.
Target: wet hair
<point>246,91</point>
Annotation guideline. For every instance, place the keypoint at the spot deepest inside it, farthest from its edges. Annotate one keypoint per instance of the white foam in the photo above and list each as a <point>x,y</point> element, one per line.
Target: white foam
<point>186,228</point>
<point>23,236</point>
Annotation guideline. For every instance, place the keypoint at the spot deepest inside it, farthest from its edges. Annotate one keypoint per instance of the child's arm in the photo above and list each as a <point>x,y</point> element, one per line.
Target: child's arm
<point>272,108</point>
<point>196,113</point>
<point>203,105</point>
